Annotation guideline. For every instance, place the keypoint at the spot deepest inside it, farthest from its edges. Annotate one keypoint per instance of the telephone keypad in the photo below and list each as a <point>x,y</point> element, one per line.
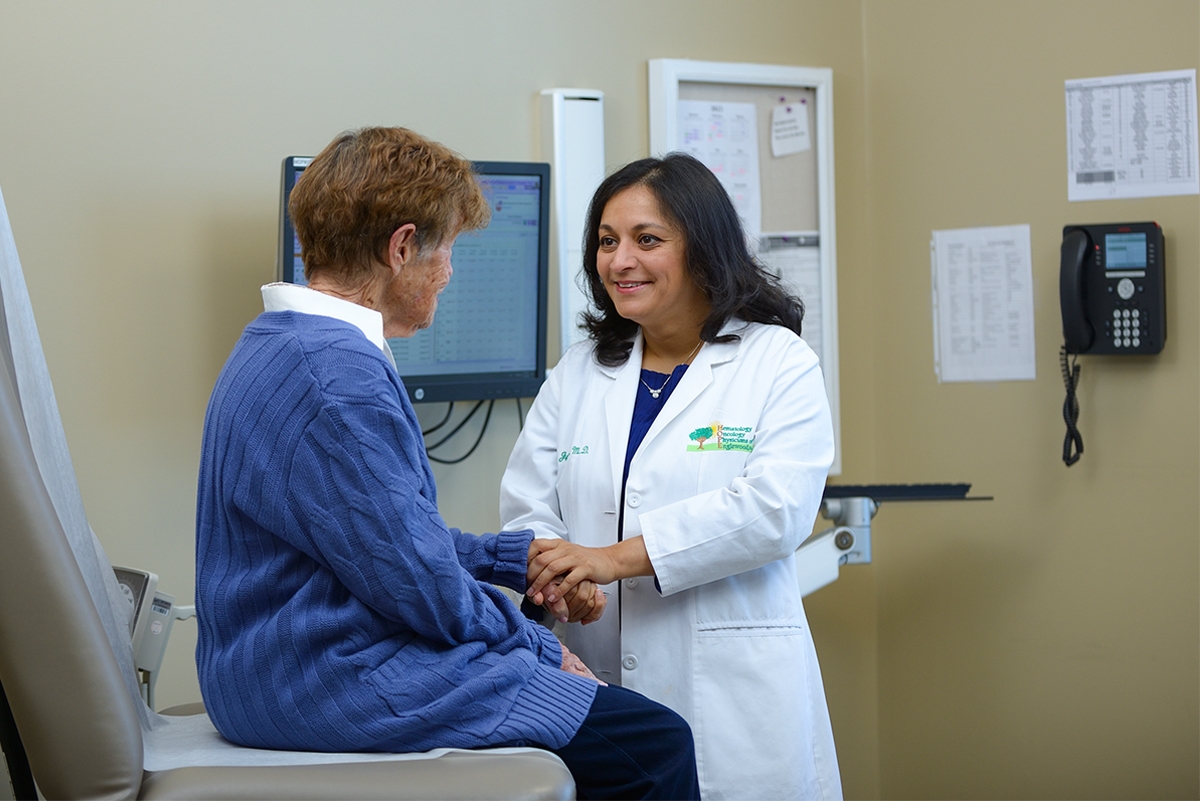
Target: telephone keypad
<point>1126,327</point>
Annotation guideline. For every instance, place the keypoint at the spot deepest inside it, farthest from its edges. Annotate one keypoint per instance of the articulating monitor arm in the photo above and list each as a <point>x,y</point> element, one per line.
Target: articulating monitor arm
<point>848,542</point>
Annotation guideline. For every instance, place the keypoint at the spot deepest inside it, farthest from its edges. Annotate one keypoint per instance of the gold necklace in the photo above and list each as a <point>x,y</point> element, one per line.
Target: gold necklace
<point>654,393</point>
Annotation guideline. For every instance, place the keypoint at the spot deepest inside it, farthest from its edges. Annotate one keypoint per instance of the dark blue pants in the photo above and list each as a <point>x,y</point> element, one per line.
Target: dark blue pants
<point>632,747</point>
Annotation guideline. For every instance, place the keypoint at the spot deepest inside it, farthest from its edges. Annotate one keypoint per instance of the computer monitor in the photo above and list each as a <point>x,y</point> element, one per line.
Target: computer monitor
<point>488,338</point>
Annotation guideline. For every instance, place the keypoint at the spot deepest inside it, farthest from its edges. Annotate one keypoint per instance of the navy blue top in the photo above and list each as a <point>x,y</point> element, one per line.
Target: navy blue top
<point>645,410</point>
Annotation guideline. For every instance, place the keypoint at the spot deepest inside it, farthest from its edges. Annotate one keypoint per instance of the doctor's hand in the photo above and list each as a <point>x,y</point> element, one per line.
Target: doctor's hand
<point>558,566</point>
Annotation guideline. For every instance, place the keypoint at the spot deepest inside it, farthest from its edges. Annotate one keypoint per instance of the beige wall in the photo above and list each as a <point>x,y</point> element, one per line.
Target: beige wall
<point>1044,644</point>
<point>1040,645</point>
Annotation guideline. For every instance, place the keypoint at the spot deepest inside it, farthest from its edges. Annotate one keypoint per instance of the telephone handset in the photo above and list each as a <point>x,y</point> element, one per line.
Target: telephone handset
<point>1078,333</point>
<point>1113,300</point>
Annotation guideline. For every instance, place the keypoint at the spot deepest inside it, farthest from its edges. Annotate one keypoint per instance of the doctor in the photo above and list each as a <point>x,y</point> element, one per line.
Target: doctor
<point>677,460</point>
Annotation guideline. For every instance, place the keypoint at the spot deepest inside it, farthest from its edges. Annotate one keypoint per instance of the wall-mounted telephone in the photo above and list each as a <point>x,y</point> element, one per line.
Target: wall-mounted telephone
<point>1111,289</point>
<point>1112,292</point>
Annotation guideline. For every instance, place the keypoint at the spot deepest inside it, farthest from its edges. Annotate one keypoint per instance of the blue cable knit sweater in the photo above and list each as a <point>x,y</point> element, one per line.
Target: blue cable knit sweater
<point>337,612</point>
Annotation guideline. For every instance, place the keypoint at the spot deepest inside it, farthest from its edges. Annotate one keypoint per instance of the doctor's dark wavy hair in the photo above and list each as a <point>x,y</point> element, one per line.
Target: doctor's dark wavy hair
<point>715,254</point>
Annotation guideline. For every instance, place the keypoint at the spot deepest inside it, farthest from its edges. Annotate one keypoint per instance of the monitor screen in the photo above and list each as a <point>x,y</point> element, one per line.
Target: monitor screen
<point>488,338</point>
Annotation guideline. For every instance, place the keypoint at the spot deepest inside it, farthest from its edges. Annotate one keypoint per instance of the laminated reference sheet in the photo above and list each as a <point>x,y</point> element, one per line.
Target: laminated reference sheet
<point>983,304</point>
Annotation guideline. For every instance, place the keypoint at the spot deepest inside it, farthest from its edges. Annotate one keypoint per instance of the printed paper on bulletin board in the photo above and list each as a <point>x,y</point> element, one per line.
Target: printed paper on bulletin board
<point>789,183</point>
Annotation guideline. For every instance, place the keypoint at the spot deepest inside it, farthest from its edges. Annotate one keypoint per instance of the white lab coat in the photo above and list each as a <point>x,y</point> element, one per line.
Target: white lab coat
<point>725,643</point>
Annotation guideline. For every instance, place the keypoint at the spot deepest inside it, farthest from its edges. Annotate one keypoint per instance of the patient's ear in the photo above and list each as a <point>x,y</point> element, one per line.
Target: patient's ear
<point>402,248</point>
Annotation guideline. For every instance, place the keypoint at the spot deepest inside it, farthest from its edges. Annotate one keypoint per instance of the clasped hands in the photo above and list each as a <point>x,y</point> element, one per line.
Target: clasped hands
<point>564,579</point>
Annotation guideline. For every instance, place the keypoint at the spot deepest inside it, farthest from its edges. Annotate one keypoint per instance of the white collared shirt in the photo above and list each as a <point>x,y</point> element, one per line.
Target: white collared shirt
<point>280,296</point>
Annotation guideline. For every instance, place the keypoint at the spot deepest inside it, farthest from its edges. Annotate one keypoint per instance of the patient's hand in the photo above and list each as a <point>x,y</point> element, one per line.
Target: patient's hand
<point>584,603</point>
<point>573,664</point>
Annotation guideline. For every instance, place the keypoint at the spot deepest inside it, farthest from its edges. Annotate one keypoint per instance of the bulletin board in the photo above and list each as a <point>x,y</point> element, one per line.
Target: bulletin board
<point>767,132</point>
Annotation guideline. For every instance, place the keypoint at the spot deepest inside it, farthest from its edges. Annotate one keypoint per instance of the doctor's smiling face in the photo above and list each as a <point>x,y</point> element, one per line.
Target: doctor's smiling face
<point>641,259</point>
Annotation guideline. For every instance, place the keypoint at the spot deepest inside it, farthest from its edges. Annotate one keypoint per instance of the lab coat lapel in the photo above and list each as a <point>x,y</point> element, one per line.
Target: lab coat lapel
<point>618,411</point>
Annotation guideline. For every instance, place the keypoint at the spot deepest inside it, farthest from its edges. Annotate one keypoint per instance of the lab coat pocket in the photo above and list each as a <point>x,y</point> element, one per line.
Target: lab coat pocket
<point>721,451</point>
<point>752,726</point>
<point>720,468</point>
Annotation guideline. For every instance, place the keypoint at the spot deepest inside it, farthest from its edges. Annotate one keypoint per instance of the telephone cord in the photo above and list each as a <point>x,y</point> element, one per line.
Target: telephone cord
<point>1073,442</point>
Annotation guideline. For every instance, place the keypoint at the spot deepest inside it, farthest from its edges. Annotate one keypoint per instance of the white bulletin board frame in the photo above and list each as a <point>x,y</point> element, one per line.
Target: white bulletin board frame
<point>726,82</point>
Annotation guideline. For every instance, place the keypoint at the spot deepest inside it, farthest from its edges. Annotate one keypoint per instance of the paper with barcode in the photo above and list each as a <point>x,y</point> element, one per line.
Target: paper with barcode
<point>1132,136</point>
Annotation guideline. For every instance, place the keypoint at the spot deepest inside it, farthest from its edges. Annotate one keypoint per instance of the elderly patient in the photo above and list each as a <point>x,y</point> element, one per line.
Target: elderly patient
<point>337,610</point>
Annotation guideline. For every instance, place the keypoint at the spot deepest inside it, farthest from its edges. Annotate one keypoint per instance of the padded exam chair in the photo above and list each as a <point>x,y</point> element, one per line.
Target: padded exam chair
<point>75,722</point>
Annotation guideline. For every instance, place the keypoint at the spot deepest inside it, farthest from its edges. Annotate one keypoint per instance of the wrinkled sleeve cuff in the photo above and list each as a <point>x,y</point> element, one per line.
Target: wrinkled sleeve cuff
<point>512,559</point>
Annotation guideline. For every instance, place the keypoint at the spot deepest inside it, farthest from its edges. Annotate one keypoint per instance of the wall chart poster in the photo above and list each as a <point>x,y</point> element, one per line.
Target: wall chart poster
<point>1132,136</point>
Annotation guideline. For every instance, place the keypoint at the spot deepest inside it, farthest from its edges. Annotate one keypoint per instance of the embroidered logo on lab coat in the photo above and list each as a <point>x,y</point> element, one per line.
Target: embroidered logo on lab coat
<point>576,450</point>
<point>716,436</point>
